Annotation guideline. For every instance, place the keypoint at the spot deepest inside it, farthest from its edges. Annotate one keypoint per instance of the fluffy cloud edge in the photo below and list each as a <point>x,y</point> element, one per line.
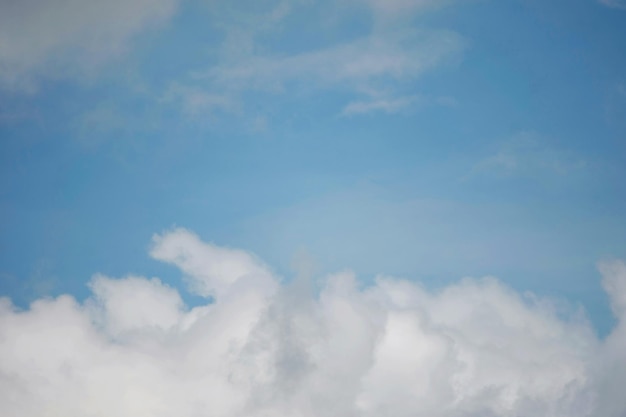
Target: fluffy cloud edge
<point>262,348</point>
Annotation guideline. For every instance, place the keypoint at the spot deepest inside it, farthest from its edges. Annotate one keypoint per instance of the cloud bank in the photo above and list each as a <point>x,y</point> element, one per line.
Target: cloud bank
<point>264,348</point>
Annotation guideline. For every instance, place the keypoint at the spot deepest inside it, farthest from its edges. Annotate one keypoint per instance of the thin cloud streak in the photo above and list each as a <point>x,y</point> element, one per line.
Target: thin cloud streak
<point>393,105</point>
<point>528,154</point>
<point>615,4</point>
<point>392,54</point>
<point>403,56</point>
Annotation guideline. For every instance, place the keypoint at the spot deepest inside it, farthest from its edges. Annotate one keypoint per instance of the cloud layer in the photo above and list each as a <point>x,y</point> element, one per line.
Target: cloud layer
<point>262,348</point>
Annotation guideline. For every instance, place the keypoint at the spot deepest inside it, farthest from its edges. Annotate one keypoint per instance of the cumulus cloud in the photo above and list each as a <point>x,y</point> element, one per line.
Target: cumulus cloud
<point>61,38</point>
<point>134,303</point>
<point>265,348</point>
<point>211,270</point>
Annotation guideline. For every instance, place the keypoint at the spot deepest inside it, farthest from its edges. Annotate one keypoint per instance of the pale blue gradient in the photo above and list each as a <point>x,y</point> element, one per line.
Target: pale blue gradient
<point>505,157</point>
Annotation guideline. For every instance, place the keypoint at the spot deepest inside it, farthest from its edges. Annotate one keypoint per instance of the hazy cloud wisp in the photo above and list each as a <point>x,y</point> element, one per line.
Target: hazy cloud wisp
<point>528,154</point>
<point>44,39</point>
<point>615,4</point>
<point>374,67</point>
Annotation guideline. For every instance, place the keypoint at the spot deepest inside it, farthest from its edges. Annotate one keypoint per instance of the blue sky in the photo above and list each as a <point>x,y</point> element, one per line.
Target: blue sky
<point>308,208</point>
<point>430,140</point>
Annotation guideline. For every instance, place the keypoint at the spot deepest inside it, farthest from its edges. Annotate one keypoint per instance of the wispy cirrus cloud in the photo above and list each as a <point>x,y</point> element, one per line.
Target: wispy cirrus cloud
<point>65,38</point>
<point>615,4</point>
<point>528,154</point>
<point>392,105</point>
<point>381,102</point>
<point>196,101</point>
<point>397,56</point>
<point>386,57</point>
<point>263,348</point>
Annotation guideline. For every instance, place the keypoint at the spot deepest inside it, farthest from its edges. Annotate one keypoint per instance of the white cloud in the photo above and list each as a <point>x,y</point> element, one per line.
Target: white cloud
<point>135,303</point>
<point>198,101</point>
<point>401,56</point>
<point>392,105</point>
<point>474,348</point>
<point>616,4</point>
<point>615,284</point>
<point>527,154</point>
<point>611,367</point>
<point>378,102</point>
<point>391,11</point>
<point>65,38</point>
<point>212,271</point>
<point>388,56</point>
